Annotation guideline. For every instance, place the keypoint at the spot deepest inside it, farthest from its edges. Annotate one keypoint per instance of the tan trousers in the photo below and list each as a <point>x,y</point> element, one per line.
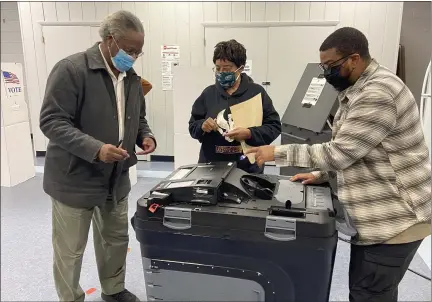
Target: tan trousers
<point>70,233</point>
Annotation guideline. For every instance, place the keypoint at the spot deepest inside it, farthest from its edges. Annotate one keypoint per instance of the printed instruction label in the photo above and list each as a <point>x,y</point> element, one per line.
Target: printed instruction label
<point>170,52</point>
<point>248,67</point>
<point>166,68</point>
<point>167,82</point>
<point>170,57</point>
<point>314,91</point>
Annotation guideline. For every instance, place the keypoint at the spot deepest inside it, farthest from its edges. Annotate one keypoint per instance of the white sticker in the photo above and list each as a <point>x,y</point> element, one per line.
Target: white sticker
<point>170,57</point>
<point>170,52</point>
<point>166,68</point>
<point>167,81</point>
<point>248,68</point>
<point>12,83</point>
<point>314,91</point>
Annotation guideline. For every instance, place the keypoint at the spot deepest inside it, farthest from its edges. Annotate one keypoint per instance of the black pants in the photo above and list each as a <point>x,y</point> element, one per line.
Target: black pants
<point>375,271</point>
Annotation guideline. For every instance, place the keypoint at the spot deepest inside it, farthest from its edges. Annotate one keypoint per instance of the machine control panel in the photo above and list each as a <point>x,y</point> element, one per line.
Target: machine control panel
<point>318,198</point>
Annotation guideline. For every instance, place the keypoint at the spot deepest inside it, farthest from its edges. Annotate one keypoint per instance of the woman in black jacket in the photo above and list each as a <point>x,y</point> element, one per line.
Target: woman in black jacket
<point>232,87</point>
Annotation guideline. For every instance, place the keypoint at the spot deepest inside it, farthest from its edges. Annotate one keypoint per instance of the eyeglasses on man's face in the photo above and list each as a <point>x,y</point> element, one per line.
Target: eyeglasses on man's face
<point>326,67</point>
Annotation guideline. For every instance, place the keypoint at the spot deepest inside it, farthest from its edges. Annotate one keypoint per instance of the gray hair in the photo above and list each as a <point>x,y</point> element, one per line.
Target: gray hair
<point>118,23</point>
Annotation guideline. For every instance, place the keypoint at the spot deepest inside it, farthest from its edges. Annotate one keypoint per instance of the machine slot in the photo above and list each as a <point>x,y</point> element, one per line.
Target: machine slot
<point>282,212</point>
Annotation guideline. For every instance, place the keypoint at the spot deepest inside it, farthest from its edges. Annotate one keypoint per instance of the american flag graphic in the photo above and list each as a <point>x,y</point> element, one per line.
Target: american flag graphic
<point>10,78</point>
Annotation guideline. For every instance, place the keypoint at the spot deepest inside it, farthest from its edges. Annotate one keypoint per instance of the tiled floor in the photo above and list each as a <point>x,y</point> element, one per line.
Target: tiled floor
<point>26,253</point>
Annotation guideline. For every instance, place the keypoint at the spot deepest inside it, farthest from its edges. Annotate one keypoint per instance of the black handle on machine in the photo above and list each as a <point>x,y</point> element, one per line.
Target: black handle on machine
<point>258,186</point>
<point>285,212</point>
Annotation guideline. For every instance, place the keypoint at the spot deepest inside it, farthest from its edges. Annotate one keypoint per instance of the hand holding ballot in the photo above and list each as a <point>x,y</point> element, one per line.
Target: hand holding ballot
<point>239,134</point>
<point>209,125</point>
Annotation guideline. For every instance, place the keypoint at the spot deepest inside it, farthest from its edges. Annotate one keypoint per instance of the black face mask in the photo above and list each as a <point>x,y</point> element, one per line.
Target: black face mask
<point>334,78</point>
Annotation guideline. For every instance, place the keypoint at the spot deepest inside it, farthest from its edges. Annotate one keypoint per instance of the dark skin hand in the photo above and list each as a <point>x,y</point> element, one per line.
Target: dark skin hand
<point>262,154</point>
<point>110,154</point>
<point>209,125</point>
<point>306,179</point>
<point>239,134</point>
<point>148,146</point>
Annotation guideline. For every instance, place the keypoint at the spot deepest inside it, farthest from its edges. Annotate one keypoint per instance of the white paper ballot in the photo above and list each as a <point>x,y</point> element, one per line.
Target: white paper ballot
<point>314,91</point>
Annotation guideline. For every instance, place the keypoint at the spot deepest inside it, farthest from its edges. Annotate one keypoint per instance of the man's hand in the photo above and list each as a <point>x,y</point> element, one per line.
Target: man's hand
<point>209,125</point>
<point>306,179</point>
<point>148,146</point>
<point>262,154</point>
<point>110,154</point>
<point>239,134</point>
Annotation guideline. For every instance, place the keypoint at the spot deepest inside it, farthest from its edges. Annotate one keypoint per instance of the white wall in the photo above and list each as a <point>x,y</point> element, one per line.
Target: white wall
<point>181,23</point>
<point>11,42</point>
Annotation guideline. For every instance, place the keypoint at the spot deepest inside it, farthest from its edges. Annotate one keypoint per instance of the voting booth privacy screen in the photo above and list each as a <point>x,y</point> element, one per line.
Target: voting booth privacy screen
<point>17,161</point>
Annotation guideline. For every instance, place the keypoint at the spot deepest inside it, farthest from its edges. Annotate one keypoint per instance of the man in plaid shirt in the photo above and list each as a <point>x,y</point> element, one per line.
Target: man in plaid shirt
<point>381,160</point>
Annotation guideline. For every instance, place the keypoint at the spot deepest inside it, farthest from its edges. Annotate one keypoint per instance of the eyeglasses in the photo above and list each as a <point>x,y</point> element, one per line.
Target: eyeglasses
<point>136,55</point>
<point>223,68</point>
<point>335,63</point>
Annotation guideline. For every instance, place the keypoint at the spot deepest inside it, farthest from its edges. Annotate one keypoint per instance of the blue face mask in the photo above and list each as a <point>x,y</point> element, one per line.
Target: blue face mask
<point>227,78</point>
<point>122,61</point>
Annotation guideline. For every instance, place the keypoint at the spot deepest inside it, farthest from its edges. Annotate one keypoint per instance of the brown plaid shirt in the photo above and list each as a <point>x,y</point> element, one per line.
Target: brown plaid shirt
<point>380,156</point>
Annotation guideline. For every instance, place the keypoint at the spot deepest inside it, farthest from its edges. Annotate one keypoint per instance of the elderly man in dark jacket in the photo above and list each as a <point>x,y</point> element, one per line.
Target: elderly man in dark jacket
<point>93,114</point>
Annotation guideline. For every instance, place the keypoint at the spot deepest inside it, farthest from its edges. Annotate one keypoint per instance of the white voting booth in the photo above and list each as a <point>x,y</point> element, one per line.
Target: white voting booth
<point>17,161</point>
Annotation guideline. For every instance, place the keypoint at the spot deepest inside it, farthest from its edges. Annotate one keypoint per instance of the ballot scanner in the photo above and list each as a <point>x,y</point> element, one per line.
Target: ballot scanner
<point>309,115</point>
<point>212,232</point>
<point>308,120</point>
